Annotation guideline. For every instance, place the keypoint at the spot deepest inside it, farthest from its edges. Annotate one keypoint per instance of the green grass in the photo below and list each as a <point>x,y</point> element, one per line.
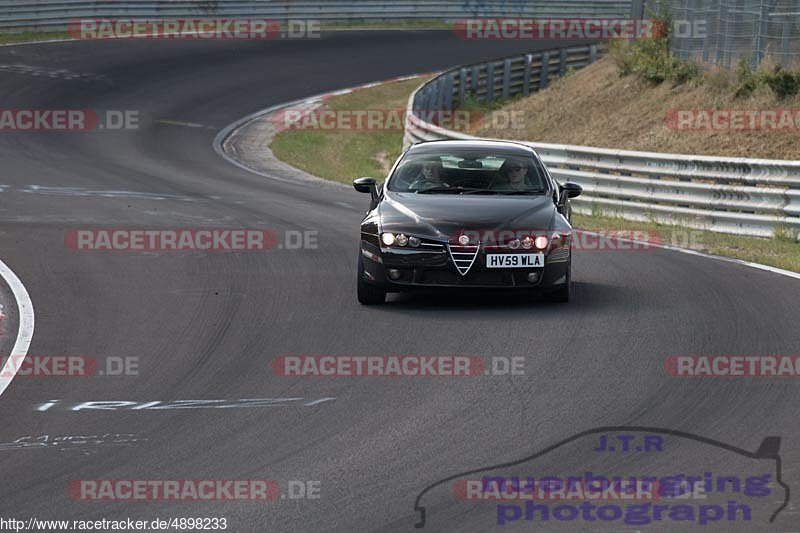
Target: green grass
<point>31,36</point>
<point>346,155</point>
<point>783,251</point>
<point>471,103</point>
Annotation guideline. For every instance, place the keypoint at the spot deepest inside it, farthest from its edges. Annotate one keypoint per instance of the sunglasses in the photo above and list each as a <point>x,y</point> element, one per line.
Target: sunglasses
<point>516,168</point>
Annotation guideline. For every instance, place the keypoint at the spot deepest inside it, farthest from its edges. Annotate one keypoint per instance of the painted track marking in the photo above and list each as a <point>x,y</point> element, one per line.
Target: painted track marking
<point>26,322</point>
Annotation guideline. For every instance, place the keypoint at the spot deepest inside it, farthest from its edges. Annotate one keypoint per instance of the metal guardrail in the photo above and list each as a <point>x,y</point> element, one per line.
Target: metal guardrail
<point>54,15</point>
<point>501,78</point>
<point>725,194</point>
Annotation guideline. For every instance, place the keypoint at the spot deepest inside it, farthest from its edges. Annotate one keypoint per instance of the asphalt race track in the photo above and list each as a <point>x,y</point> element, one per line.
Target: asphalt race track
<point>206,326</point>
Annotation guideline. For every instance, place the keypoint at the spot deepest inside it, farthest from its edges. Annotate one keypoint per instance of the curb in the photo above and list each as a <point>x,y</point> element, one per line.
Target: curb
<point>224,140</point>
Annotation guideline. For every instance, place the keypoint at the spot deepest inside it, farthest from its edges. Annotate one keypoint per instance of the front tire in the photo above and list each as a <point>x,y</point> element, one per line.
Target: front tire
<point>368,294</point>
<point>561,295</point>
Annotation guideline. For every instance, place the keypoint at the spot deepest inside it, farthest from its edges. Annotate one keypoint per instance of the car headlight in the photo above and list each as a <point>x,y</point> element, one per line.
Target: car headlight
<point>388,238</point>
<point>541,242</point>
<point>400,239</point>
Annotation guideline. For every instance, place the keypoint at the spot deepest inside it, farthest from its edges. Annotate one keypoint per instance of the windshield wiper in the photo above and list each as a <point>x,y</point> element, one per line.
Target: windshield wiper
<point>455,190</point>
<point>436,189</point>
<point>528,191</point>
<point>481,191</point>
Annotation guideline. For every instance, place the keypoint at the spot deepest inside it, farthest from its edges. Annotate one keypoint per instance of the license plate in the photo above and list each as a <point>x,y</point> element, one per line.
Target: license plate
<point>514,260</point>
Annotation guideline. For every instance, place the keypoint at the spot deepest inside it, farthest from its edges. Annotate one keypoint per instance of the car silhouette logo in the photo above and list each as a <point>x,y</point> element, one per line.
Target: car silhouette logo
<point>768,451</point>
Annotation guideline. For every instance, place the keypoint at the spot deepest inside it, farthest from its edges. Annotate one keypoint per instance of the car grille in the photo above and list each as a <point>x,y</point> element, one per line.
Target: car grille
<point>463,257</point>
<point>478,278</point>
<point>428,246</point>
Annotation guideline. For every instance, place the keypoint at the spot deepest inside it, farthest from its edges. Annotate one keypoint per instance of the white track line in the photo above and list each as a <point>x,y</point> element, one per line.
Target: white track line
<point>687,251</point>
<point>25,333</point>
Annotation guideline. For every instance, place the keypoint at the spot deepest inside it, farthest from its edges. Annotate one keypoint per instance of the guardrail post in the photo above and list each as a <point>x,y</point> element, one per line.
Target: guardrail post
<point>562,65</point>
<point>476,76</point>
<point>430,101</point>
<point>592,53</point>
<point>490,82</point>
<point>545,70</point>
<point>506,78</point>
<point>526,75</point>
<point>448,91</point>
<point>439,95</point>
<point>462,83</point>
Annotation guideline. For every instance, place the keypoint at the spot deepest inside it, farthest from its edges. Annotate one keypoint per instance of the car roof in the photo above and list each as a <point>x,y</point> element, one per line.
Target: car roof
<point>508,146</point>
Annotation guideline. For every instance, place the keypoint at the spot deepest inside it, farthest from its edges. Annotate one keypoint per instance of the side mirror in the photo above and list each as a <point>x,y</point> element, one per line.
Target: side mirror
<point>572,189</point>
<point>367,185</point>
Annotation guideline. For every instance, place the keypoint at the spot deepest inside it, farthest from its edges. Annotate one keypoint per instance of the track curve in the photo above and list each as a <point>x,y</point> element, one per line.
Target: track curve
<point>205,326</point>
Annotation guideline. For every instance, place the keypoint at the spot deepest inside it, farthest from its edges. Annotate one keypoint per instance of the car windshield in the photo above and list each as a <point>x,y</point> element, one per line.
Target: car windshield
<point>469,171</point>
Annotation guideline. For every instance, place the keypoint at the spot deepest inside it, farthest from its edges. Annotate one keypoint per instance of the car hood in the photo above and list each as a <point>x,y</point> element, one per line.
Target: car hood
<point>441,216</point>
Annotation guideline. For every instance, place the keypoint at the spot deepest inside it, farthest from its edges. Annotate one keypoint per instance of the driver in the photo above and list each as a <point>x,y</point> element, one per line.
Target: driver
<point>430,175</point>
<point>514,175</point>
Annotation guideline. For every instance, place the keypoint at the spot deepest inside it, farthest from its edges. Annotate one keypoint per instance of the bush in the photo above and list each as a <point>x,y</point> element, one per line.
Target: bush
<point>620,54</point>
<point>747,81</point>
<point>651,59</point>
<point>783,83</point>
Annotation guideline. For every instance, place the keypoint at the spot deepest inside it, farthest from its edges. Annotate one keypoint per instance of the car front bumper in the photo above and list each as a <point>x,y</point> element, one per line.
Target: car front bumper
<point>411,269</point>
